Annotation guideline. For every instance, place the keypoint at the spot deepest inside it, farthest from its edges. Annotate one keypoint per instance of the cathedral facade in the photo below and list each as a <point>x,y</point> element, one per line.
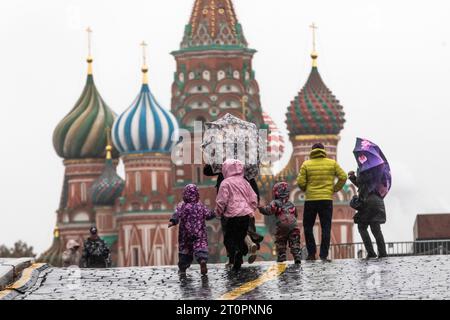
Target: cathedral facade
<point>214,75</point>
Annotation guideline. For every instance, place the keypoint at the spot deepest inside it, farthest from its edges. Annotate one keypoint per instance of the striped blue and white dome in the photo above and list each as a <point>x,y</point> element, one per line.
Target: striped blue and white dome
<point>145,126</point>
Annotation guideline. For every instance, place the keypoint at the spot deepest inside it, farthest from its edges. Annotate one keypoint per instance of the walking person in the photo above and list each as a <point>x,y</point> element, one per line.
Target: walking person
<point>317,179</point>
<point>71,256</point>
<point>371,212</point>
<point>287,230</point>
<point>236,203</point>
<point>96,253</point>
<point>191,215</point>
<point>253,239</point>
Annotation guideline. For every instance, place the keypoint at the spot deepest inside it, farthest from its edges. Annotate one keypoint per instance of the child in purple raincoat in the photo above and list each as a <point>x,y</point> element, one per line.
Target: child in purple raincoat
<point>191,215</point>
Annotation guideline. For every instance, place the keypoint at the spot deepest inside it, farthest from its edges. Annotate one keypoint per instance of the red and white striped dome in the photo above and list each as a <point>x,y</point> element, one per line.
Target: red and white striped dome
<point>275,139</point>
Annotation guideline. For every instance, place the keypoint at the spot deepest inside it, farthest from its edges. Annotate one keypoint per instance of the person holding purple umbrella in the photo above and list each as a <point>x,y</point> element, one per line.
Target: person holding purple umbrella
<point>373,180</point>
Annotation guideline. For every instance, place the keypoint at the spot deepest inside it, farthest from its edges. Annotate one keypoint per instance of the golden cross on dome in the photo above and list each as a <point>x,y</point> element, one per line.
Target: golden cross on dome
<point>144,63</point>
<point>89,33</point>
<point>144,52</point>
<point>314,54</point>
<point>89,58</point>
<point>314,28</point>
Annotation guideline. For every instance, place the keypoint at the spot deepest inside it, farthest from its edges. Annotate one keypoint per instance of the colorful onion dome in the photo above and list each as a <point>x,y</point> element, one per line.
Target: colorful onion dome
<point>109,186</point>
<point>81,134</point>
<point>275,138</point>
<point>145,126</point>
<point>315,109</point>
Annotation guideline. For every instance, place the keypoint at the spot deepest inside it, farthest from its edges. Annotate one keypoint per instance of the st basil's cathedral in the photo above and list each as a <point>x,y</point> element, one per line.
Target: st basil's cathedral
<point>214,76</point>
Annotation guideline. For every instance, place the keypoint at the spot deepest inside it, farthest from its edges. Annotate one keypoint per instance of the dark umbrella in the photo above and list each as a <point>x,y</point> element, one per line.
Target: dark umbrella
<point>372,162</point>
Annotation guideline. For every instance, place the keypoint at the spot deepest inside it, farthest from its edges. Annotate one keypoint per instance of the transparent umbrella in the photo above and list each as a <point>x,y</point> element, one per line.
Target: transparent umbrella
<point>232,138</point>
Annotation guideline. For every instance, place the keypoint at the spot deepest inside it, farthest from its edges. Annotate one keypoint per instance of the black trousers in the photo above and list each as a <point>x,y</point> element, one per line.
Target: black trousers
<point>323,208</point>
<point>251,232</point>
<point>376,231</point>
<point>235,230</point>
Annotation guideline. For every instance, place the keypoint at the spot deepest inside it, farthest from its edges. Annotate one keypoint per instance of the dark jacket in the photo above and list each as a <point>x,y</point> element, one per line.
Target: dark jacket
<point>96,254</point>
<point>373,209</point>
<point>208,171</point>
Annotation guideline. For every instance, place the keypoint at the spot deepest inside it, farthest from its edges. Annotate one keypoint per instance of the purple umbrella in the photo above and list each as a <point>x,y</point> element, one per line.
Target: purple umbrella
<point>372,162</point>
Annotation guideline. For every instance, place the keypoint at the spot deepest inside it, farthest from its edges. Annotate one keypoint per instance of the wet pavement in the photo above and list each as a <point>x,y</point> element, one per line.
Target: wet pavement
<point>425,277</point>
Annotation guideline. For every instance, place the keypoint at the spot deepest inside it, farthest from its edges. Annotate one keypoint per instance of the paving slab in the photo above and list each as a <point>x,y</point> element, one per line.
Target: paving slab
<point>424,277</point>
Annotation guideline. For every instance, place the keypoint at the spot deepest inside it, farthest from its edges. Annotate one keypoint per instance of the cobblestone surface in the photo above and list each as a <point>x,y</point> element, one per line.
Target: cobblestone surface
<point>392,278</point>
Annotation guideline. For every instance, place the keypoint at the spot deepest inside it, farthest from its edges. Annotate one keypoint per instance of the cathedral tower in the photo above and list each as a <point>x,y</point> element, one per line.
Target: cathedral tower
<point>145,134</point>
<point>315,115</point>
<point>214,76</point>
<point>80,139</point>
<point>214,71</point>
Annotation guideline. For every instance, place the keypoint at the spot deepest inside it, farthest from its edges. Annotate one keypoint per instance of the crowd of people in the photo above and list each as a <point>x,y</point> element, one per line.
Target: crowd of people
<point>238,199</point>
<point>236,203</point>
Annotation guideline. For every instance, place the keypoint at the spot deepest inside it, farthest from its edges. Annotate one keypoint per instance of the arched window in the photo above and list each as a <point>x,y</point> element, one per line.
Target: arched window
<point>166,179</point>
<point>158,256</point>
<point>199,88</point>
<point>206,75</point>
<point>154,181</point>
<point>220,75</point>
<point>138,184</point>
<point>230,104</point>
<point>83,192</point>
<point>136,255</point>
<point>344,238</point>
<point>229,88</point>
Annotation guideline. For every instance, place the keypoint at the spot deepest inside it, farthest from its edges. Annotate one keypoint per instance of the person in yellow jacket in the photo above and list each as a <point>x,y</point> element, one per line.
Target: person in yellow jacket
<point>317,178</point>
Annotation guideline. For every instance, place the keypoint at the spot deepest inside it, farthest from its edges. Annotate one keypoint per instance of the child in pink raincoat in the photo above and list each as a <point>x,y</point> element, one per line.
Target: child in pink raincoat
<point>236,202</point>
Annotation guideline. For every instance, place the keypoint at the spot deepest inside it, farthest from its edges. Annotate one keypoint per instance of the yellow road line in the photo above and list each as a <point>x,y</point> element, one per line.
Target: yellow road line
<point>273,272</point>
<point>4,293</point>
<point>24,278</point>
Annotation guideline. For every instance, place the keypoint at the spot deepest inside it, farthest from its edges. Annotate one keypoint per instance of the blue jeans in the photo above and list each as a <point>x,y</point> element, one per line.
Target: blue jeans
<point>323,208</point>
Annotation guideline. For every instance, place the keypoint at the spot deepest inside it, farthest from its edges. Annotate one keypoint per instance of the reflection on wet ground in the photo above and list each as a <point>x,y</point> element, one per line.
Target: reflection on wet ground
<point>425,277</point>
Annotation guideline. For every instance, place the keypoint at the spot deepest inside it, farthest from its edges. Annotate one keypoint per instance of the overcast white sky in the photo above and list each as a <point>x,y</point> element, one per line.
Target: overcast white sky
<point>388,62</point>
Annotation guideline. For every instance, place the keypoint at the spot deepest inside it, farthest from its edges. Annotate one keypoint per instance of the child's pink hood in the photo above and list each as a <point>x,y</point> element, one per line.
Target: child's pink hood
<point>232,168</point>
<point>236,197</point>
